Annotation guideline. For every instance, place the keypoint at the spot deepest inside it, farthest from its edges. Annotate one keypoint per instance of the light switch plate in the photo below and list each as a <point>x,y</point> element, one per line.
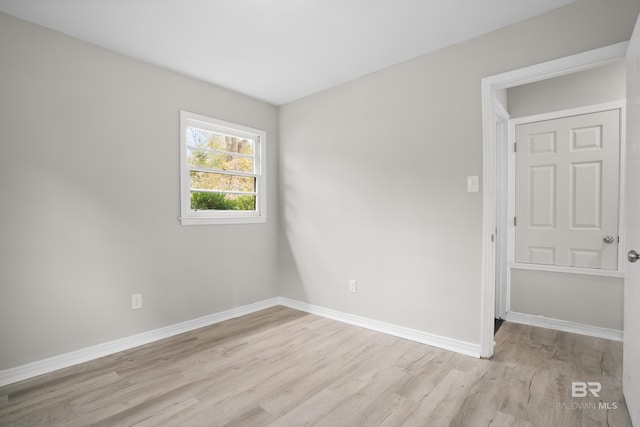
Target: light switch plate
<point>473,184</point>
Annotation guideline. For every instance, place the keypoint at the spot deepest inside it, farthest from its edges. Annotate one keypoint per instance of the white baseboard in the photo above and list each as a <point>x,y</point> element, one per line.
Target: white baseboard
<point>40,367</point>
<point>565,326</point>
<point>445,343</point>
<point>51,364</point>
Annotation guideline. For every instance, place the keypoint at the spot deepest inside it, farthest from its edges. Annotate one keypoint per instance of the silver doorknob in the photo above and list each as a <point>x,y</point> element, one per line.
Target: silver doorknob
<point>633,256</point>
<point>608,239</point>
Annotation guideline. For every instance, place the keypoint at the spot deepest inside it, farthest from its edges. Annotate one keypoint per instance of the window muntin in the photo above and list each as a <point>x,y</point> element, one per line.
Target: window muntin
<point>222,166</point>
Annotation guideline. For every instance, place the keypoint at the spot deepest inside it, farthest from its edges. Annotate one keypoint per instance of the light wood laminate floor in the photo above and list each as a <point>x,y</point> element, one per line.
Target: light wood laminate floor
<point>282,367</point>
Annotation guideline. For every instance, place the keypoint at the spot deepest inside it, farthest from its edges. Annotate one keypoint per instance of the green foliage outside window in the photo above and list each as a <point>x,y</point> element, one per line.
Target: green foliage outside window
<point>217,201</point>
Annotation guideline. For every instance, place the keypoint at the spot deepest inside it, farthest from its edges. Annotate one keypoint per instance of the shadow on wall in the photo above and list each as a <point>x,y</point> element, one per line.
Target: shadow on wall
<point>300,235</point>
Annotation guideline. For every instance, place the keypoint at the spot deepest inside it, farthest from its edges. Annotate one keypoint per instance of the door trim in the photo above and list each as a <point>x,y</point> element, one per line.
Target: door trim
<point>489,85</point>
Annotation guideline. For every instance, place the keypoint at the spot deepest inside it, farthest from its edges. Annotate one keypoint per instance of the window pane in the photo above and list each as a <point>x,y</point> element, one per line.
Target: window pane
<point>219,161</point>
<point>215,141</point>
<point>222,182</point>
<point>224,202</point>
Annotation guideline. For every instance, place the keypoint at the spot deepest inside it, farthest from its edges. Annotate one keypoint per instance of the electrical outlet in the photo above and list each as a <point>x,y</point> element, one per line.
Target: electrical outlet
<point>353,286</point>
<point>136,301</point>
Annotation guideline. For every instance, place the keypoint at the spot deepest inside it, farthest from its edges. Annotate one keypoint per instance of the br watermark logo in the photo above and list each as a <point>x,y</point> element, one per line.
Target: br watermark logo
<point>582,389</point>
<point>588,389</point>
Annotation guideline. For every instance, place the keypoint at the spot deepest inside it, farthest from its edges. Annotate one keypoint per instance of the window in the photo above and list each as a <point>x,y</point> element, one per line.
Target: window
<point>222,172</point>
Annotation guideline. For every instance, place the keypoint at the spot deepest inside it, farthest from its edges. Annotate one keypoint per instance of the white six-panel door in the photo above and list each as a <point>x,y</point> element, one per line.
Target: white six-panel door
<point>567,191</point>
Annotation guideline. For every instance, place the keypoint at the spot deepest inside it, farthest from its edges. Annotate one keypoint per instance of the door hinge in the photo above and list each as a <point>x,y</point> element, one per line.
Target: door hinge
<point>515,147</point>
<point>515,221</point>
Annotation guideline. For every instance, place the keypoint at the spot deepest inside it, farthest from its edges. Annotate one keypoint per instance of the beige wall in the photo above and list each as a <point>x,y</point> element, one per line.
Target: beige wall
<point>591,300</point>
<point>502,97</point>
<point>374,175</point>
<point>89,146</point>
<point>590,87</point>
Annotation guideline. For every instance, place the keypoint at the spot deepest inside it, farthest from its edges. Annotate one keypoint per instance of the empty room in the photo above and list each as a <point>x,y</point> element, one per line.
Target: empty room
<point>328,213</point>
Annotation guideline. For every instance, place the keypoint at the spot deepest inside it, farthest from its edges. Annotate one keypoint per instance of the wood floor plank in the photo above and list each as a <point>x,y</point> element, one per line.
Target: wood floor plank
<point>281,367</point>
<point>164,415</point>
<point>316,407</point>
<point>357,409</point>
<point>505,420</point>
<point>52,404</point>
<point>443,402</point>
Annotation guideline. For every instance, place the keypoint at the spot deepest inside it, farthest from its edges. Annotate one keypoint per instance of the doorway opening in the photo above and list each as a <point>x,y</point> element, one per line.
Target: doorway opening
<point>495,292</point>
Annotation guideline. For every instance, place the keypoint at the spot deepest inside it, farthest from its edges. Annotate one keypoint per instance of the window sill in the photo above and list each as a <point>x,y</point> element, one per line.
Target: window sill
<point>569,270</point>
<point>222,221</point>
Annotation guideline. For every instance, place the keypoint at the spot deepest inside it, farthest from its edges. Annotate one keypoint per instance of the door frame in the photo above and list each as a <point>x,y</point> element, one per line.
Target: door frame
<point>503,180</point>
<point>490,85</point>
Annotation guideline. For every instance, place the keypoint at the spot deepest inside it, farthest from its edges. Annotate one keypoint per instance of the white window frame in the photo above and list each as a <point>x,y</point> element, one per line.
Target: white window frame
<point>190,216</point>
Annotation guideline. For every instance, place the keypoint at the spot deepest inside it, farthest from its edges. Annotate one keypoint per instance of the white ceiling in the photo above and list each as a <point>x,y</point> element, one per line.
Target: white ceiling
<point>276,50</point>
